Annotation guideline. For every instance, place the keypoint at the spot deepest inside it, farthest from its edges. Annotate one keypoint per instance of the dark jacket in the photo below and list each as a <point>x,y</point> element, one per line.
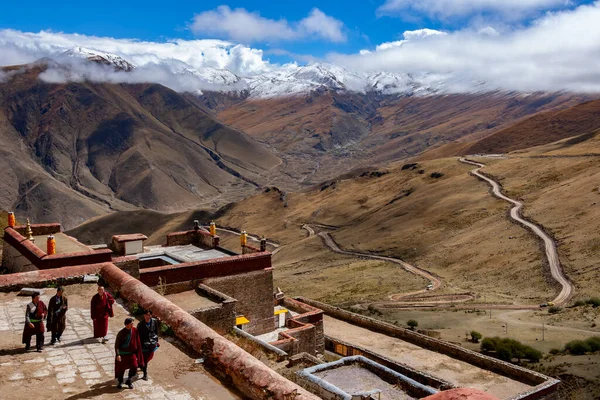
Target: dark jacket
<point>149,334</point>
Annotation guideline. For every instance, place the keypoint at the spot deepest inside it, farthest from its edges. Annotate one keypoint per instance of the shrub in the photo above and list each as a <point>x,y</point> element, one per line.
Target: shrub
<point>580,303</point>
<point>506,349</point>
<point>412,324</point>
<point>136,309</point>
<point>166,329</point>
<point>554,351</point>
<point>577,347</point>
<point>488,344</point>
<point>554,310</point>
<point>476,336</point>
<point>594,301</point>
<point>594,343</point>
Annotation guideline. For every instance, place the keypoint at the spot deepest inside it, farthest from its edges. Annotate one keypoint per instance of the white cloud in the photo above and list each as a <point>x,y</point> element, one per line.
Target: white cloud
<point>245,27</point>
<point>410,35</point>
<point>21,47</point>
<point>560,51</point>
<point>442,9</point>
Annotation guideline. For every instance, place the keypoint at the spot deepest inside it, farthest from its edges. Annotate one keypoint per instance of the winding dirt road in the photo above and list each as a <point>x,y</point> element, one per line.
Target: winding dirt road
<point>333,246</point>
<point>550,247</point>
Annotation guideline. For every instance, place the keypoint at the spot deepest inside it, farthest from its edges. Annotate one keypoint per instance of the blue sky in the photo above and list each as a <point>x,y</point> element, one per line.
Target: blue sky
<point>158,20</point>
<point>151,20</point>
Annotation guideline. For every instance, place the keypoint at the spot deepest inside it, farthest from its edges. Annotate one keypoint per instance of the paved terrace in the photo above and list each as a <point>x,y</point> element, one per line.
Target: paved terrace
<point>81,367</point>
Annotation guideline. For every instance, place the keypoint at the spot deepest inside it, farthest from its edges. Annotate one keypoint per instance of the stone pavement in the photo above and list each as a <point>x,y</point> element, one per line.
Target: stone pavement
<point>77,362</point>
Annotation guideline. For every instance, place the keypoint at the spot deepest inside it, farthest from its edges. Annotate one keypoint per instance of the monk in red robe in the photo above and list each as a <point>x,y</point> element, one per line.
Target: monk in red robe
<point>101,310</point>
<point>128,349</point>
<point>34,323</point>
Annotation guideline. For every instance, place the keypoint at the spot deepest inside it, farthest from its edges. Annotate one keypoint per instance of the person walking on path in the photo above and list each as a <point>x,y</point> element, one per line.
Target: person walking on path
<point>148,330</point>
<point>34,323</point>
<point>128,349</point>
<point>57,314</point>
<point>101,310</point>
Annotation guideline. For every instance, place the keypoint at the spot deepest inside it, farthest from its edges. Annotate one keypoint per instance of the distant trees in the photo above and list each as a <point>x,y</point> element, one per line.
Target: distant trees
<point>476,336</point>
<point>580,347</point>
<point>507,349</point>
<point>412,324</point>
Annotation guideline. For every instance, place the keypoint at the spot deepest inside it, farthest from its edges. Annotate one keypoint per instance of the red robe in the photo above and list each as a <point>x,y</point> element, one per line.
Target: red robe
<point>38,327</point>
<point>129,347</point>
<point>101,310</point>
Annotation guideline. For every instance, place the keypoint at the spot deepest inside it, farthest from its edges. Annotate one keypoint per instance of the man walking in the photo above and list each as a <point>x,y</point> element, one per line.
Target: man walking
<point>128,349</point>
<point>34,323</point>
<point>148,330</point>
<point>101,310</point>
<point>57,314</point>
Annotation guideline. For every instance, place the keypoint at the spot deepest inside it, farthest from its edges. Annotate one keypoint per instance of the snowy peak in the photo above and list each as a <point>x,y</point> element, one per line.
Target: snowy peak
<point>118,62</point>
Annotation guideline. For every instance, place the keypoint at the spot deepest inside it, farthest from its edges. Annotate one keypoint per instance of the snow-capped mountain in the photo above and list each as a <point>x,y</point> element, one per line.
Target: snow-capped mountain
<point>288,80</point>
<point>118,62</point>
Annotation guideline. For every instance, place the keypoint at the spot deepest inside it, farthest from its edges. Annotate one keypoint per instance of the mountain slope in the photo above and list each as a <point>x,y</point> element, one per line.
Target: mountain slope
<point>121,147</point>
<point>541,129</point>
<point>325,134</point>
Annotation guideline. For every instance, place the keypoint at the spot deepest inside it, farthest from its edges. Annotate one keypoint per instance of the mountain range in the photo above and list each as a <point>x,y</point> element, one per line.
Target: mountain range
<point>81,148</point>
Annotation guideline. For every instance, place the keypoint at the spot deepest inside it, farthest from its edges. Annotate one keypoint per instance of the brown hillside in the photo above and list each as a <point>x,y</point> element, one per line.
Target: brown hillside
<point>540,129</point>
<point>90,147</point>
<point>323,135</point>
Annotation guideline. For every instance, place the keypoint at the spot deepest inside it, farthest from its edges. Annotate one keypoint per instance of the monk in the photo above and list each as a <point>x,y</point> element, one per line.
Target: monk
<point>148,330</point>
<point>101,310</point>
<point>34,323</point>
<point>57,314</point>
<point>128,349</point>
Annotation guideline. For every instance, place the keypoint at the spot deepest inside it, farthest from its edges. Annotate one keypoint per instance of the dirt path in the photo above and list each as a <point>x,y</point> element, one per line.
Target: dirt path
<point>550,247</point>
<point>333,246</point>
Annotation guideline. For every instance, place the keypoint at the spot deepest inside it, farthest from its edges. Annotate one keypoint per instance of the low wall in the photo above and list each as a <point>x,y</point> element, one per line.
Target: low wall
<point>129,264</point>
<point>544,385</point>
<point>221,317</point>
<point>206,269</point>
<point>39,258</point>
<point>39,229</point>
<point>42,278</point>
<point>197,237</point>
<point>225,359</point>
<point>254,292</point>
<point>346,349</point>
<point>280,354</point>
<point>308,315</point>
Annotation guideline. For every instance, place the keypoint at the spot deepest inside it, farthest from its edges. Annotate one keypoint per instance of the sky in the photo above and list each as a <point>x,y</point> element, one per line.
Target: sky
<point>511,44</point>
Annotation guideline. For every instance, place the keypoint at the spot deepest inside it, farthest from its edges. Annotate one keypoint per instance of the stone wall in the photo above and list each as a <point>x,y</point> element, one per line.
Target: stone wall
<point>254,293</point>
<point>308,315</point>
<point>42,260</point>
<point>40,229</point>
<point>298,339</point>
<point>544,385</point>
<point>14,261</point>
<point>221,317</point>
<point>129,264</point>
<point>197,237</point>
<point>206,269</point>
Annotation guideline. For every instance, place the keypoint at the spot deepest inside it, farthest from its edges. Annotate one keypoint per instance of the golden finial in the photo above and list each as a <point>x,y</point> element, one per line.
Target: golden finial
<point>29,232</point>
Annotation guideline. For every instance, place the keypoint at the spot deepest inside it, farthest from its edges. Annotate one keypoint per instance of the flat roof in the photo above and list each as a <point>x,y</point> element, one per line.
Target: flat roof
<point>184,254</point>
<point>457,372</point>
<point>191,300</point>
<point>64,244</point>
<point>82,367</point>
